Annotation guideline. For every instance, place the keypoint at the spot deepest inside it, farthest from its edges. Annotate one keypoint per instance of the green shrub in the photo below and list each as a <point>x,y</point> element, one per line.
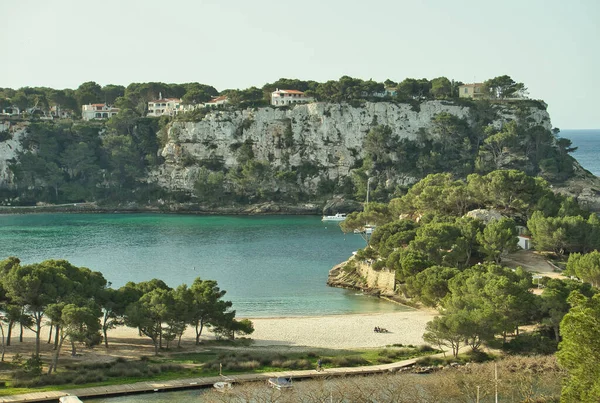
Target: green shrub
<point>531,343</point>
<point>350,361</point>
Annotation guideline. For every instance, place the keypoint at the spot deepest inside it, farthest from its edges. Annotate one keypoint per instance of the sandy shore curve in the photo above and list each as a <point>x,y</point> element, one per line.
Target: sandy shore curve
<point>342,331</point>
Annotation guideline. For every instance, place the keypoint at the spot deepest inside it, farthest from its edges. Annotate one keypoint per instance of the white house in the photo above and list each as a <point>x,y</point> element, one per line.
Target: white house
<point>216,102</point>
<point>98,111</point>
<point>164,106</point>
<point>289,97</point>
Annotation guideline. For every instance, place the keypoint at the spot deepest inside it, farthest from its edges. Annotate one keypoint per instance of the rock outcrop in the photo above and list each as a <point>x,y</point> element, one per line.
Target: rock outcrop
<point>361,276</point>
<point>330,136</point>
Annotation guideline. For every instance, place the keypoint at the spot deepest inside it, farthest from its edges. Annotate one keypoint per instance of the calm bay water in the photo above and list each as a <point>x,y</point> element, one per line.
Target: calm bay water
<point>588,148</point>
<point>269,266</point>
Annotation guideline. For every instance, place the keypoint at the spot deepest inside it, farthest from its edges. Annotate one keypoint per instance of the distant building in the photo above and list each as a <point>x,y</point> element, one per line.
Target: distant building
<point>474,91</point>
<point>387,92</point>
<point>525,242</point>
<point>216,102</point>
<point>164,107</point>
<point>11,111</point>
<point>524,238</point>
<point>289,97</point>
<point>98,111</point>
<point>58,113</point>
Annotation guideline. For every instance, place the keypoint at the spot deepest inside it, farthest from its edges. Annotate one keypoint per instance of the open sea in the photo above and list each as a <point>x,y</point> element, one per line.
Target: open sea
<point>588,147</point>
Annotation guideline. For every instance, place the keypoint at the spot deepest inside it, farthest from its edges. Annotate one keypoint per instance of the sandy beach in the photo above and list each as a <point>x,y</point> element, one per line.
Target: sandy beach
<point>336,332</point>
<point>342,331</point>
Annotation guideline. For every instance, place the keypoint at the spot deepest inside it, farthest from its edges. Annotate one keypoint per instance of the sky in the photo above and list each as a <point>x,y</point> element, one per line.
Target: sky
<point>551,46</point>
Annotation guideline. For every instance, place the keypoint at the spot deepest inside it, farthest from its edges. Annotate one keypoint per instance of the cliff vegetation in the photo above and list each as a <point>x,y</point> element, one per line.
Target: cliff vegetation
<point>248,152</point>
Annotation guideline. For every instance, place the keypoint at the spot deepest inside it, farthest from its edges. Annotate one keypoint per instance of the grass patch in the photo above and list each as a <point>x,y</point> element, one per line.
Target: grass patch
<point>206,363</point>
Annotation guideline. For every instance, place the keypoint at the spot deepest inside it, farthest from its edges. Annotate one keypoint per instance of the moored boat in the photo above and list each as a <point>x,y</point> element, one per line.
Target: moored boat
<point>280,382</point>
<point>335,217</point>
<point>223,386</point>
<point>69,399</point>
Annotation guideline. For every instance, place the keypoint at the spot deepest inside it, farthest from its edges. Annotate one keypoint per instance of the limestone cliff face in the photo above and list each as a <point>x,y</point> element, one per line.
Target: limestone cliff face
<point>362,277</point>
<point>328,135</point>
<point>9,150</point>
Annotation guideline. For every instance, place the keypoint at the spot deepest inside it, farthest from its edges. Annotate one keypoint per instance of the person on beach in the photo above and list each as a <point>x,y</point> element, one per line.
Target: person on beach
<point>319,365</point>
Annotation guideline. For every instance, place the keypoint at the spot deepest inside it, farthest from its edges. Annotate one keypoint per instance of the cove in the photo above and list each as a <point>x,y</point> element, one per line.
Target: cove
<point>269,265</point>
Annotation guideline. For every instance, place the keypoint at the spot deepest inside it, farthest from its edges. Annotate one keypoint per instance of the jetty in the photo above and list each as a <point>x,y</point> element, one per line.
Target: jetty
<point>202,382</point>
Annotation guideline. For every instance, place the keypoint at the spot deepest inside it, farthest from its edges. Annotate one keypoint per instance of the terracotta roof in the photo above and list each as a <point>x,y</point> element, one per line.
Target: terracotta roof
<point>98,104</point>
<point>290,92</point>
<point>217,99</point>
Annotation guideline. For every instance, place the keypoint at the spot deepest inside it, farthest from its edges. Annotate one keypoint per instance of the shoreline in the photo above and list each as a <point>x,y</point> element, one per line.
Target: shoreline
<point>342,331</point>
<point>265,208</point>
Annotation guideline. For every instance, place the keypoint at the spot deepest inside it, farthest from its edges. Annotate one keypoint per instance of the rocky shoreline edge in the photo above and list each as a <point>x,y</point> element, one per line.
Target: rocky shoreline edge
<point>335,205</point>
<point>251,209</point>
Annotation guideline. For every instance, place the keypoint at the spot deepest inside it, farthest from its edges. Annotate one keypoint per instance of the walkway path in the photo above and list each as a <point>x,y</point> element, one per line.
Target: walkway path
<point>141,387</point>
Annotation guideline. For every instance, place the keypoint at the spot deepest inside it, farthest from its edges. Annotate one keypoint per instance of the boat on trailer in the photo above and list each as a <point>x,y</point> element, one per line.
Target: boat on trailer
<point>280,382</point>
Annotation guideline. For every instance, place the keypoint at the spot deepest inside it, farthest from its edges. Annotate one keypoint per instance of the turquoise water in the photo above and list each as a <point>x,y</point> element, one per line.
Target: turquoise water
<point>588,151</point>
<point>269,266</point>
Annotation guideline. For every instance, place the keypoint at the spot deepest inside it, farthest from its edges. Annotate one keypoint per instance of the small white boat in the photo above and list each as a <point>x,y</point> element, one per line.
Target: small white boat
<point>69,399</point>
<point>336,217</point>
<point>223,386</point>
<point>280,383</point>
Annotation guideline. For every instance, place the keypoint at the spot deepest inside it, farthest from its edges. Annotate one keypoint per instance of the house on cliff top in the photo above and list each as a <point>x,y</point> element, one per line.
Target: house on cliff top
<point>98,111</point>
<point>164,106</point>
<point>474,91</point>
<point>289,97</point>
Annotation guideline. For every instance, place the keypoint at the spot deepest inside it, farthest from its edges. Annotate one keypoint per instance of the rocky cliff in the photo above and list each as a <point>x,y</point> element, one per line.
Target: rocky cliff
<point>359,275</point>
<point>330,136</point>
<point>305,146</point>
<point>9,149</point>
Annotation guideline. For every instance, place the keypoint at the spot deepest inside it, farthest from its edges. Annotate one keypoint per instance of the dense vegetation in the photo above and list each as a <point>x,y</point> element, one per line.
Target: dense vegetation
<point>81,307</point>
<point>447,254</point>
<point>67,160</point>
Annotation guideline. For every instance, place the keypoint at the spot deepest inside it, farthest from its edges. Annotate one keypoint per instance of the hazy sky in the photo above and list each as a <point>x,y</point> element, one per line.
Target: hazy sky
<point>552,46</point>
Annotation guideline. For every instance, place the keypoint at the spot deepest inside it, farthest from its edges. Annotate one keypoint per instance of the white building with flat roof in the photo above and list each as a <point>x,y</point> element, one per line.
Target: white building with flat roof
<point>98,111</point>
<point>165,106</point>
<point>289,97</point>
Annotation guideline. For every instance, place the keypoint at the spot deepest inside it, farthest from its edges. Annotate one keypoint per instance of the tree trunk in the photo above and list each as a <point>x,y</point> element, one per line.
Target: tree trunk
<point>105,331</point>
<point>73,349</point>
<point>54,363</point>
<point>21,333</point>
<point>199,327</point>
<point>556,333</point>
<point>50,333</point>
<point>56,329</point>
<point>10,328</point>
<point>3,343</point>
<point>155,346</point>
<point>38,330</point>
